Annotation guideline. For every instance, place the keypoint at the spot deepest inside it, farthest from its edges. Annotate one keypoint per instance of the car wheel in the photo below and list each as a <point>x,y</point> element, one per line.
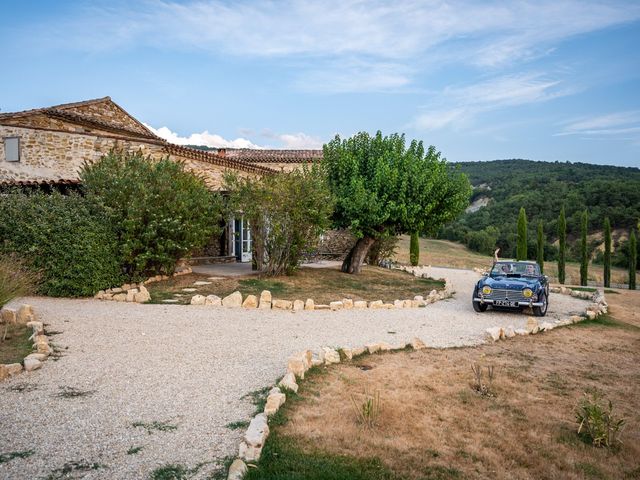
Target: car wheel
<point>477,306</point>
<point>541,311</point>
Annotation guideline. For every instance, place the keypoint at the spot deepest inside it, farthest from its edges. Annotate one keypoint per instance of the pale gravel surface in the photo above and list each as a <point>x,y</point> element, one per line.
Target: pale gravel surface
<point>190,366</point>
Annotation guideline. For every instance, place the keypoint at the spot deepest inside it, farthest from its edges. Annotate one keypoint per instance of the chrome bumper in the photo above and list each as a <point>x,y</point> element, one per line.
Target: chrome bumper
<point>520,304</point>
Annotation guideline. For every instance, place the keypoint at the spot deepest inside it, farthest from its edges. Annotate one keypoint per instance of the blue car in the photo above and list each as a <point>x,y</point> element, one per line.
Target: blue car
<point>513,285</point>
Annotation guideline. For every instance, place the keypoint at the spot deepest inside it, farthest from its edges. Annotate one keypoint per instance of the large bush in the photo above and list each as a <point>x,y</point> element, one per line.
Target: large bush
<point>158,211</point>
<point>287,212</point>
<point>65,238</point>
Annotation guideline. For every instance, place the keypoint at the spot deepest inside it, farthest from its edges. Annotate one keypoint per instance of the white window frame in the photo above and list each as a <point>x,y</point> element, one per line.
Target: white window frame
<point>6,156</point>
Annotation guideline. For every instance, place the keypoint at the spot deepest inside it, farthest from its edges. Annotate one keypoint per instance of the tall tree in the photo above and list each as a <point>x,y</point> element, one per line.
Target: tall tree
<point>414,249</point>
<point>584,259</point>
<point>521,251</point>
<point>562,247</point>
<point>633,259</point>
<point>607,252</point>
<point>382,187</point>
<point>540,250</point>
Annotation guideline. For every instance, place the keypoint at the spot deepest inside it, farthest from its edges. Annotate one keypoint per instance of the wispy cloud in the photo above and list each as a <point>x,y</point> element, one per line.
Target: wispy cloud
<point>612,124</point>
<point>343,45</point>
<point>458,105</point>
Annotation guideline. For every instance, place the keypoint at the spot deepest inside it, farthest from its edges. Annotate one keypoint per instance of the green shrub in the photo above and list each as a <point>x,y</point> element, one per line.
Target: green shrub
<point>540,246</point>
<point>158,211</point>
<point>607,253</point>
<point>596,423</point>
<point>414,249</point>
<point>584,253</point>
<point>65,238</point>
<point>562,248</point>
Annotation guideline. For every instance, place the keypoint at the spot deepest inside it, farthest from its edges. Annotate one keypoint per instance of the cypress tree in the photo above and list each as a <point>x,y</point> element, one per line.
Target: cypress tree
<point>414,249</point>
<point>633,260</point>
<point>540,256</point>
<point>584,259</point>
<point>562,239</point>
<point>521,251</point>
<point>607,253</point>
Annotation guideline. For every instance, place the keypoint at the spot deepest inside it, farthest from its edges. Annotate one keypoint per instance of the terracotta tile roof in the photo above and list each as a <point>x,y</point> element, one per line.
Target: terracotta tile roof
<point>253,155</point>
<point>61,106</point>
<point>216,159</point>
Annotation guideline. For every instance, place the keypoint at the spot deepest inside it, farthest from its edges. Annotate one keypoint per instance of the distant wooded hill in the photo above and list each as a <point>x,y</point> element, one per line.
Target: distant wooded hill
<point>501,187</point>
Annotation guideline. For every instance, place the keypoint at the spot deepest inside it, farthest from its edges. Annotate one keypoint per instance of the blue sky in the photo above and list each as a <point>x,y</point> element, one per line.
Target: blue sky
<point>480,80</point>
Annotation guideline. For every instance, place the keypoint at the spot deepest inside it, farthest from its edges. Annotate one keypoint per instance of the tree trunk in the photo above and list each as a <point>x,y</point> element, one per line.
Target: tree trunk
<point>354,260</point>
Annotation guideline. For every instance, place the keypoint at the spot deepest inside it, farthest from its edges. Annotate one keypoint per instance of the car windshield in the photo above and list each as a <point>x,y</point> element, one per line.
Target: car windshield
<point>523,269</point>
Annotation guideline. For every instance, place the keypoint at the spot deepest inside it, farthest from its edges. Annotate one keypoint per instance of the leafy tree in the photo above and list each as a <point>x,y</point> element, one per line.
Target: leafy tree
<point>521,253</point>
<point>562,248</point>
<point>607,252</point>
<point>287,212</point>
<point>382,187</point>
<point>633,259</point>
<point>540,245</point>
<point>414,249</point>
<point>584,254</point>
<point>159,211</point>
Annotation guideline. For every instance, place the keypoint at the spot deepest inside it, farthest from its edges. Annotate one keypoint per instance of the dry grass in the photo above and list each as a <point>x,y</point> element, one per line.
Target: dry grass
<point>433,422</point>
<point>443,253</point>
<point>322,284</point>
<point>16,344</point>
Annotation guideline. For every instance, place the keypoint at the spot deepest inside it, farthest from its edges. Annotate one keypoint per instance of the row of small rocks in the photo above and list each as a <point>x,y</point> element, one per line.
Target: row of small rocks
<point>593,310</point>
<point>136,292</point>
<point>25,315</point>
<point>265,301</point>
<point>253,441</point>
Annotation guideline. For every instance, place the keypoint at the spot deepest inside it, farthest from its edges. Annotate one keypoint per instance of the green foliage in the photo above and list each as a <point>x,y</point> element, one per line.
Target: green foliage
<point>16,280</point>
<point>584,255</point>
<point>562,237</point>
<point>483,241</point>
<point>606,191</point>
<point>66,239</point>
<point>414,249</point>
<point>382,187</point>
<point>287,212</point>
<point>607,252</point>
<point>158,211</point>
<point>521,253</point>
<point>540,246</point>
<point>597,424</point>
<point>5,457</point>
<point>633,260</point>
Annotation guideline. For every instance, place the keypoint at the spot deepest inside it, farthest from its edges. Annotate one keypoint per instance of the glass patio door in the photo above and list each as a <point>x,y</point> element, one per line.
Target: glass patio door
<point>242,239</point>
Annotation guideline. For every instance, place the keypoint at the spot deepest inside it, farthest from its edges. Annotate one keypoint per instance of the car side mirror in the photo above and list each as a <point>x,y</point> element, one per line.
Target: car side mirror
<point>485,274</point>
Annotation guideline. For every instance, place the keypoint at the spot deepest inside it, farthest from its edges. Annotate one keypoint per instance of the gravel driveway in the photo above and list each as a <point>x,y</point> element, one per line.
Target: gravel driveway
<point>188,367</point>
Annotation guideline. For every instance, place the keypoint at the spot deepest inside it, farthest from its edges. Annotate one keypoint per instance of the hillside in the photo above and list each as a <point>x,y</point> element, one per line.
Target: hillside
<point>501,187</point>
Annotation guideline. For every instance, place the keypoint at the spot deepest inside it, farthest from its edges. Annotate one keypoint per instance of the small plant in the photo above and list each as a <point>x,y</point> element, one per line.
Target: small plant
<point>486,390</point>
<point>155,426</point>
<point>597,424</point>
<point>71,392</point>
<point>134,450</point>
<point>15,279</point>
<point>239,425</point>
<point>367,411</point>
<point>5,457</point>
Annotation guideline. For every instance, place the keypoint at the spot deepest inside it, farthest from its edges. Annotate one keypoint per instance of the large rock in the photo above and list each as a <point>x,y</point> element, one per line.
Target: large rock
<point>41,357</point>
<point>347,303</point>
<point>591,315</point>
<point>143,295</point>
<point>213,300</point>
<point>289,382</point>
<point>336,305</point>
<point>120,297</point>
<point>37,327</point>
<point>237,470</point>
<point>309,304</point>
<point>274,401</point>
<point>546,326</point>
<point>398,303</point>
<point>297,365</point>
<point>330,355</point>
<point>282,304</point>
<point>198,300</point>
<point>8,315</point>
<point>31,364</point>
<point>265,300</point>
<point>233,300</point>
<point>372,347</point>
<point>359,304</point>
<point>13,368</point>
<point>250,302</point>
<point>509,332</point>
<point>357,351</point>
<point>407,303</point>
<point>131,294</point>
<point>255,437</point>
<point>376,304</point>
<point>521,331</point>
<point>298,305</point>
<point>348,353</point>
<point>532,325</point>
<point>4,373</point>
<point>417,344</point>
<point>493,333</point>
<point>25,314</point>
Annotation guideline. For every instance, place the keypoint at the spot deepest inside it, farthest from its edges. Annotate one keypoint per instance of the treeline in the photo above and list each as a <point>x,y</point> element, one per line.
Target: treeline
<point>543,188</point>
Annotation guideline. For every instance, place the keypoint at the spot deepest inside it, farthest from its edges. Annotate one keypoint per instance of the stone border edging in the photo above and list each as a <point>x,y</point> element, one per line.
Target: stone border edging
<point>136,292</point>
<point>25,315</point>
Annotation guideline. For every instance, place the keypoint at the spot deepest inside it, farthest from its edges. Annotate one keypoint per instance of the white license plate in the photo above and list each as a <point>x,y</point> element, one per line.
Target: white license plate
<point>505,303</point>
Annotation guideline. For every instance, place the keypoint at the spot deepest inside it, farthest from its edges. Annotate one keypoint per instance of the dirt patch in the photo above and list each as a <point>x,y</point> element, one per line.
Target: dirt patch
<point>433,420</point>
<point>322,284</point>
<point>16,344</point>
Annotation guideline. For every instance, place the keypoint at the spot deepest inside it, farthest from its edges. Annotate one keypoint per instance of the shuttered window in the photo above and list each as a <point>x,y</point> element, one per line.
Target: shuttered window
<point>12,149</point>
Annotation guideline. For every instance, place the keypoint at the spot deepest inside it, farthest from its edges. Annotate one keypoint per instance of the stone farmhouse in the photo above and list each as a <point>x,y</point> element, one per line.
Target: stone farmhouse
<point>46,147</point>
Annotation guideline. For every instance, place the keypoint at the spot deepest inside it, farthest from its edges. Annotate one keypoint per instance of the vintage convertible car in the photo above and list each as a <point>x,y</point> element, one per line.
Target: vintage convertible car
<point>512,284</point>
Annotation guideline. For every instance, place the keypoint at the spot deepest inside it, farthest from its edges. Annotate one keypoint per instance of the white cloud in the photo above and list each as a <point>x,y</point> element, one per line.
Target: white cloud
<point>205,138</point>
<point>299,141</point>
<point>618,123</point>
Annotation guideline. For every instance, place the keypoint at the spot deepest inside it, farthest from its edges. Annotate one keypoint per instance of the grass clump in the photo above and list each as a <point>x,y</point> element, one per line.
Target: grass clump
<point>6,457</point>
<point>71,392</point>
<point>170,472</point>
<point>608,321</point>
<point>134,450</point>
<point>484,389</point>
<point>596,423</point>
<point>367,410</point>
<point>68,469</point>
<point>155,426</point>
<point>239,425</point>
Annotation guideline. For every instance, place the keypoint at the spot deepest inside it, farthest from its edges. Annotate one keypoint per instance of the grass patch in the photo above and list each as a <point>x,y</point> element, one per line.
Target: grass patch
<point>134,450</point>
<point>239,425</point>
<point>584,289</point>
<point>590,470</point>
<point>606,321</point>
<point>151,427</point>
<point>23,387</point>
<point>69,468</point>
<point>170,472</point>
<point>16,344</point>
<point>71,392</point>
<point>6,457</point>
<point>322,284</point>
<point>606,290</point>
<point>258,398</point>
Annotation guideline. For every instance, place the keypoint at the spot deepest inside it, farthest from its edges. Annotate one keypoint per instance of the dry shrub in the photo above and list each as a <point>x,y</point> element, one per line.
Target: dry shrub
<point>16,280</point>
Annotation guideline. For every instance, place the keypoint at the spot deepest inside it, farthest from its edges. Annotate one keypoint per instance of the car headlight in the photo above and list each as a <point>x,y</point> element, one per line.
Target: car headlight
<point>486,290</point>
<point>527,292</point>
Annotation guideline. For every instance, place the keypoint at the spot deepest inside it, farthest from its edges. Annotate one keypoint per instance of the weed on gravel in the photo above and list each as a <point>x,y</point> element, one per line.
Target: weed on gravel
<point>134,450</point>
<point>239,425</point>
<point>155,426</point>
<point>258,398</point>
<point>73,470</point>
<point>177,471</point>
<point>72,392</point>
<point>6,457</point>
<point>23,387</point>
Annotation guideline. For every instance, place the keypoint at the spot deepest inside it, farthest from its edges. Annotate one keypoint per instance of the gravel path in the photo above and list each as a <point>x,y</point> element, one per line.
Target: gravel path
<point>190,367</point>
